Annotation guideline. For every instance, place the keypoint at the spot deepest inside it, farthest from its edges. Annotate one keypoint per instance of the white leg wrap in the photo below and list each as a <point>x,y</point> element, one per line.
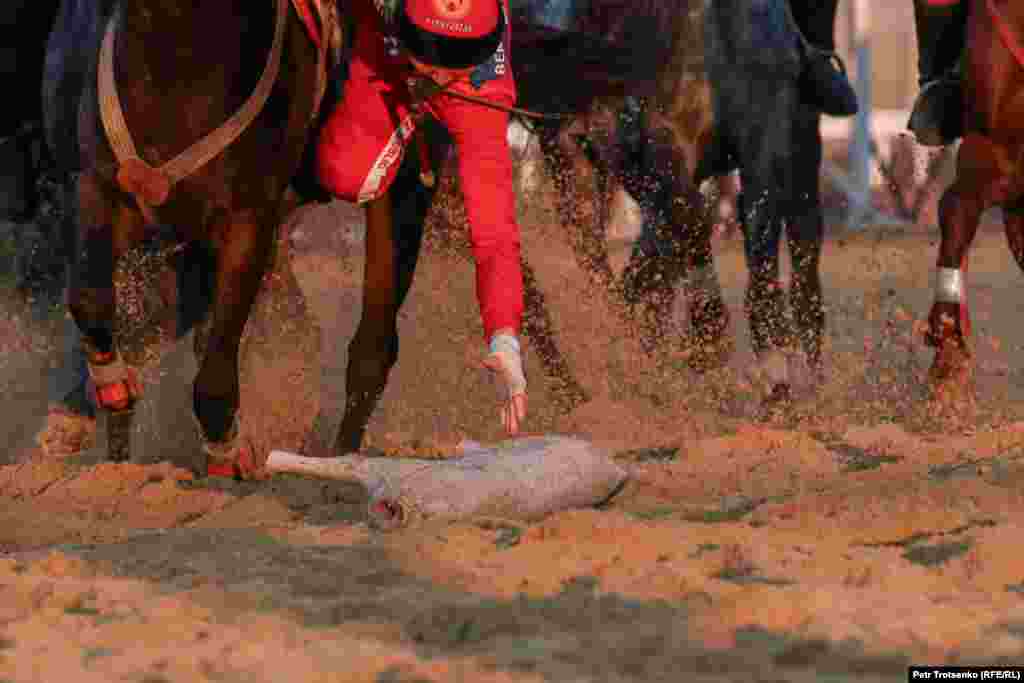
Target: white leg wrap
<point>949,286</point>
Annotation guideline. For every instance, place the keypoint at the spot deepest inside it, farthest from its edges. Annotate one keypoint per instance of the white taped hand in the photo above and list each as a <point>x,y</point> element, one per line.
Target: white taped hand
<point>506,363</point>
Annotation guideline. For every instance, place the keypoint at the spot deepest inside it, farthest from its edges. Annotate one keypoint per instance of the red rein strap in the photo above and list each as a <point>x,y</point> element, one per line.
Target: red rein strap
<point>1006,32</point>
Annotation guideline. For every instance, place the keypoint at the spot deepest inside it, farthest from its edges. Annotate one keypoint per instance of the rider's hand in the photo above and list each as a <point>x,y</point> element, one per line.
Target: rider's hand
<point>505,361</point>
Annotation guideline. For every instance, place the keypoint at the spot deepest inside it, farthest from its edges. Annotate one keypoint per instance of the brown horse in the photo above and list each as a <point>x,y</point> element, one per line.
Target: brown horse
<point>179,71</point>
<point>989,173</point>
<point>162,57</point>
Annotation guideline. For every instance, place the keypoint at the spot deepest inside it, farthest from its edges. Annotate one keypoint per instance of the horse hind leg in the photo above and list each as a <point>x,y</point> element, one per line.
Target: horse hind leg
<point>241,260</point>
<point>764,299</point>
<point>107,230</point>
<point>394,236</point>
<point>805,234</point>
<point>981,172</point>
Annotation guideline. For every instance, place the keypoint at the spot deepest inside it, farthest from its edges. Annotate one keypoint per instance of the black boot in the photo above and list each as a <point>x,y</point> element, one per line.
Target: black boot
<point>823,83</point>
<point>937,118</point>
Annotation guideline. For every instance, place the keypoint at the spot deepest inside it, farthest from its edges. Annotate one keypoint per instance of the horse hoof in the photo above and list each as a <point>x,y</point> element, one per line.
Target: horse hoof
<point>66,433</point>
<point>777,402</point>
<point>237,461</point>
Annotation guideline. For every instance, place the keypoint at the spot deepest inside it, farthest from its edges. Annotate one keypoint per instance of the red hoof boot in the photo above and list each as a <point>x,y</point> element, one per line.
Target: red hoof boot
<point>234,458</point>
<point>114,397</point>
<point>115,385</point>
<point>244,466</point>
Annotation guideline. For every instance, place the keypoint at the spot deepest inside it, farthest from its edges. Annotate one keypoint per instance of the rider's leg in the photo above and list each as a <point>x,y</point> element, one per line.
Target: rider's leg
<point>937,118</point>
<point>823,83</point>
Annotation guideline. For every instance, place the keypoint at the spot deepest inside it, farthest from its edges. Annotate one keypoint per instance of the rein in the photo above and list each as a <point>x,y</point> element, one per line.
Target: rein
<point>1006,33</point>
<point>423,87</point>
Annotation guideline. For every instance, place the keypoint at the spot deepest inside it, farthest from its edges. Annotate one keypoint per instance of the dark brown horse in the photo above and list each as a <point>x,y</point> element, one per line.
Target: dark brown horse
<point>724,96</point>
<point>651,139</point>
<point>180,70</point>
<point>990,172</point>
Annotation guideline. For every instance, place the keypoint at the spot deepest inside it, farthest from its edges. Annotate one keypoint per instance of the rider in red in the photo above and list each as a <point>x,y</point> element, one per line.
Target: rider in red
<point>462,46</point>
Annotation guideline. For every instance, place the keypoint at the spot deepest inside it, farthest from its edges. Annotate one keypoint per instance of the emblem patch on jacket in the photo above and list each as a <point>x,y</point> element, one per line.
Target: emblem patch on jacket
<point>493,68</point>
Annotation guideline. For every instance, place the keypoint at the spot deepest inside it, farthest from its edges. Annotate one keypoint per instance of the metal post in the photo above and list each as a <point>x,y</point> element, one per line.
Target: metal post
<point>860,210</point>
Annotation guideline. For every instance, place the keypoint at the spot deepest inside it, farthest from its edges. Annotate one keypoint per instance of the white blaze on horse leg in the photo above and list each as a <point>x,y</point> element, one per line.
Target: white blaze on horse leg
<point>949,286</point>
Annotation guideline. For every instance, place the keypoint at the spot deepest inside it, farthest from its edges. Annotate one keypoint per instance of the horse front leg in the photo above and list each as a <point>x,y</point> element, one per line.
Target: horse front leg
<point>983,170</point>
<point>949,323</point>
<point>710,343</point>
<point>107,229</point>
<point>246,240</point>
<point>764,299</point>
<point>805,234</point>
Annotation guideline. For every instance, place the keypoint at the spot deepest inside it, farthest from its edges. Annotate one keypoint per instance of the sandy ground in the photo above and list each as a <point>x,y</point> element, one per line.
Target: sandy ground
<point>839,543</point>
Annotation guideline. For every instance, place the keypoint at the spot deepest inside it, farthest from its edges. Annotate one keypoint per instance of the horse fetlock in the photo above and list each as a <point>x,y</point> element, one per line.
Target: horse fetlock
<point>948,323</point>
<point>216,417</point>
<point>115,384</point>
<point>233,457</point>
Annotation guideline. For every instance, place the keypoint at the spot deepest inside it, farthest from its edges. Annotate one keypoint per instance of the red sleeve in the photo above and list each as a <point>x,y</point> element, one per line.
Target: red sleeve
<point>485,179</point>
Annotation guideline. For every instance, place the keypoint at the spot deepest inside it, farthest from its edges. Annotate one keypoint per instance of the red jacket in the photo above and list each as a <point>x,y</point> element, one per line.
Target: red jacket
<point>484,160</point>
